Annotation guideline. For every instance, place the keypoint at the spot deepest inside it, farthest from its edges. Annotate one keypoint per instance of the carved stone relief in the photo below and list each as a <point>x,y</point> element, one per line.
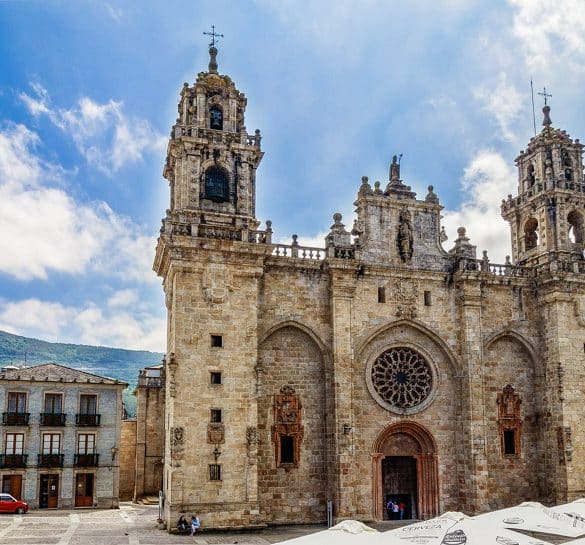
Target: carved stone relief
<point>405,294</point>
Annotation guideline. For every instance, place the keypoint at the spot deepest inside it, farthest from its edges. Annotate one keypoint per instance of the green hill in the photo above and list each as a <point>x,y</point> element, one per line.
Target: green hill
<point>111,362</point>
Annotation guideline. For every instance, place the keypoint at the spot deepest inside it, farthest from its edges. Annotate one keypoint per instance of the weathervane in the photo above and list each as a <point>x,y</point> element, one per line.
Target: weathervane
<point>214,35</point>
<point>545,95</point>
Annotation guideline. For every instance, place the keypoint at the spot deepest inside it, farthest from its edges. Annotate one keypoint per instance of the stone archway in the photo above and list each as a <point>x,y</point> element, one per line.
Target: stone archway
<point>407,440</point>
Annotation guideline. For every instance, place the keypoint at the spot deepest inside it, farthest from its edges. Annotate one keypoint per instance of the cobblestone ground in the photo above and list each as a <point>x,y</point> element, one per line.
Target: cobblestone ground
<point>130,525</point>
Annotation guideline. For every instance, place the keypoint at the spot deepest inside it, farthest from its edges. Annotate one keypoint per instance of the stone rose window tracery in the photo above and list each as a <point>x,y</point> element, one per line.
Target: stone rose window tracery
<point>401,380</point>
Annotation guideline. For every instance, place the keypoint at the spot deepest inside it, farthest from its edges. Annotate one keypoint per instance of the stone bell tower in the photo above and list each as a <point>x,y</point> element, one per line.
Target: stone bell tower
<point>212,160</point>
<point>547,215</point>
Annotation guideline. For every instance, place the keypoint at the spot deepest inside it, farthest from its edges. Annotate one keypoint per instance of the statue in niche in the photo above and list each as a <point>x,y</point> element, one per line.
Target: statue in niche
<point>404,237</point>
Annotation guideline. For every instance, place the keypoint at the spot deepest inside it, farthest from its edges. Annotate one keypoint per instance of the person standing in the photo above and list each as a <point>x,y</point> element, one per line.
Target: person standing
<point>401,508</point>
<point>395,510</point>
<point>389,506</point>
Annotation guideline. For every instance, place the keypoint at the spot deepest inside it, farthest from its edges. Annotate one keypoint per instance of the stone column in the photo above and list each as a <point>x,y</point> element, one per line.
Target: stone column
<point>473,404</point>
<point>342,291</point>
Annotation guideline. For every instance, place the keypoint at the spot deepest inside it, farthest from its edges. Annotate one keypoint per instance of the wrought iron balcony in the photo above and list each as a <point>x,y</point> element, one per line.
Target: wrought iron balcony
<point>86,460</point>
<point>50,460</point>
<point>13,460</point>
<point>53,419</point>
<point>89,420</point>
<point>15,419</point>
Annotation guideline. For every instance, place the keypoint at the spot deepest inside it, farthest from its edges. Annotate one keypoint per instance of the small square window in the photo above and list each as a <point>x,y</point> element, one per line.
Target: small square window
<point>215,472</point>
<point>215,377</point>
<point>215,415</point>
<point>509,442</point>
<point>427,296</point>
<point>216,341</point>
<point>381,295</point>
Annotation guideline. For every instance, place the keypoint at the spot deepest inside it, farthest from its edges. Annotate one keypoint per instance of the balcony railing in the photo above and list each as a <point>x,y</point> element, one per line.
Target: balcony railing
<point>13,460</point>
<point>53,419</point>
<point>89,420</point>
<point>15,419</point>
<point>86,460</point>
<point>50,460</point>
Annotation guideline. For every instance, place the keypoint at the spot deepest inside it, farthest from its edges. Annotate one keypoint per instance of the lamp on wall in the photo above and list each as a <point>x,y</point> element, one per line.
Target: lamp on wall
<point>114,451</point>
<point>347,429</point>
<point>216,452</point>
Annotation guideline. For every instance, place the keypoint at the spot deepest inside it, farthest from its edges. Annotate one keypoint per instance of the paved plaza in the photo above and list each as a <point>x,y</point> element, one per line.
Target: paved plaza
<point>130,525</point>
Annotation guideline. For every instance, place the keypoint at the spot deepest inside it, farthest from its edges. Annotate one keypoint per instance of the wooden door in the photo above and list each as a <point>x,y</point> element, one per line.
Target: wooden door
<point>12,484</point>
<point>49,491</point>
<point>84,490</point>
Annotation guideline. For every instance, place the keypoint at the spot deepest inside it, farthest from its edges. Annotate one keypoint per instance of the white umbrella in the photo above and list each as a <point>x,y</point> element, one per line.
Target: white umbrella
<point>575,509</point>
<point>535,517</point>
<point>348,532</point>
<point>456,529</point>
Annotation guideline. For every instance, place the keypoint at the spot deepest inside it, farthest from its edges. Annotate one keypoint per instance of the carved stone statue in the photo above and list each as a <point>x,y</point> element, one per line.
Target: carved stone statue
<point>404,237</point>
<point>394,169</point>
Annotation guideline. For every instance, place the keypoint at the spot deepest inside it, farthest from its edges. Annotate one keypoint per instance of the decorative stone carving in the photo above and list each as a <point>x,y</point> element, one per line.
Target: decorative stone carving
<point>509,419</point>
<point>251,436</point>
<point>177,444</point>
<point>215,283</point>
<point>365,189</point>
<point>405,294</point>
<point>170,365</point>
<point>215,433</point>
<point>404,237</point>
<point>402,378</point>
<point>564,445</point>
<point>287,423</point>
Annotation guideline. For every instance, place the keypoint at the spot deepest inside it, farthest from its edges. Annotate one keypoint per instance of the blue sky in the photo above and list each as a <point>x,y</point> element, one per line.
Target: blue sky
<point>89,90</point>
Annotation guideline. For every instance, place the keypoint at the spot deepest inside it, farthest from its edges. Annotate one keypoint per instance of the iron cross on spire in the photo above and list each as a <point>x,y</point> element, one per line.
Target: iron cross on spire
<point>545,95</point>
<point>213,35</point>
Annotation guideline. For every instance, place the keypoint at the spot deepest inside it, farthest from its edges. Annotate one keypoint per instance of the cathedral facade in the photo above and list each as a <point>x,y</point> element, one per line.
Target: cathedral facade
<point>381,366</point>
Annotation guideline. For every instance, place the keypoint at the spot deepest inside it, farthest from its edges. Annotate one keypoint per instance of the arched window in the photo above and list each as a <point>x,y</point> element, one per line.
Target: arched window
<point>215,118</point>
<point>567,166</point>
<point>217,186</point>
<point>576,227</point>
<point>530,234</point>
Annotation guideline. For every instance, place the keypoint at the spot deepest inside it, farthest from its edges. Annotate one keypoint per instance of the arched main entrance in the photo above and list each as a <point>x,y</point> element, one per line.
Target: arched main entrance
<point>404,468</point>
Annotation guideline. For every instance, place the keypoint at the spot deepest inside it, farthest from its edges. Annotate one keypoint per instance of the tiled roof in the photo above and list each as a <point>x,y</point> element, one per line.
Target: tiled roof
<point>53,372</point>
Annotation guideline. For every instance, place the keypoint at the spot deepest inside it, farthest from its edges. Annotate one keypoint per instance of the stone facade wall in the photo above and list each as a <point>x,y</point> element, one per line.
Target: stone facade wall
<point>298,494</point>
<point>127,460</point>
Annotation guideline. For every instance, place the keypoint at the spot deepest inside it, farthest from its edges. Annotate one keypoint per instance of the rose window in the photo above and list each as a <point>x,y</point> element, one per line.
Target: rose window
<point>402,378</point>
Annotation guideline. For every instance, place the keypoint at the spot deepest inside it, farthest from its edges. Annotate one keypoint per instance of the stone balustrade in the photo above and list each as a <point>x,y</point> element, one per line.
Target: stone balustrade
<point>484,266</point>
<point>298,252</point>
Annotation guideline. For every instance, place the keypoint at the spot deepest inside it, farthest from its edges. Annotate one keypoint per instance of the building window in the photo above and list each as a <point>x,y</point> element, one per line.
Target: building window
<point>576,227</point>
<point>215,118</point>
<point>215,377</point>
<point>53,403</point>
<point>87,404</point>
<point>530,234</point>
<point>216,341</point>
<point>509,422</point>
<point>287,449</point>
<point>216,416</point>
<point>16,402</point>
<point>287,432</point>
<point>427,296</point>
<point>381,295</point>
<point>215,472</point>
<point>51,443</point>
<point>14,443</point>
<point>217,186</point>
<point>86,443</point>
<point>509,442</point>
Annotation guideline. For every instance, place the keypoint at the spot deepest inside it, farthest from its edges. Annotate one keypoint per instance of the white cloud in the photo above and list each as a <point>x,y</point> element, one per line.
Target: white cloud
<point>551,30</point>
<point>44,229</point>
<point>504,103</point>
<point>486,180</point>
<point>89,324</point>
<point>123,298</point>
<point>105,136</point>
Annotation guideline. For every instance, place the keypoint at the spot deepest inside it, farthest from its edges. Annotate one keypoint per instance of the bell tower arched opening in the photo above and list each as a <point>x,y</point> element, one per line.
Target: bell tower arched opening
<point>404,470</point>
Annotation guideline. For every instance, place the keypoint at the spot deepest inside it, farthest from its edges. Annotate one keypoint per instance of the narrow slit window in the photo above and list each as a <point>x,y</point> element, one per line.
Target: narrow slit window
<point>216,341</point>
<point>381,295</point>
<point>287,449</point>
<point>428,300</point>
<point>216,416</point>
<point>215,377</point>
<point>509,442</point>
